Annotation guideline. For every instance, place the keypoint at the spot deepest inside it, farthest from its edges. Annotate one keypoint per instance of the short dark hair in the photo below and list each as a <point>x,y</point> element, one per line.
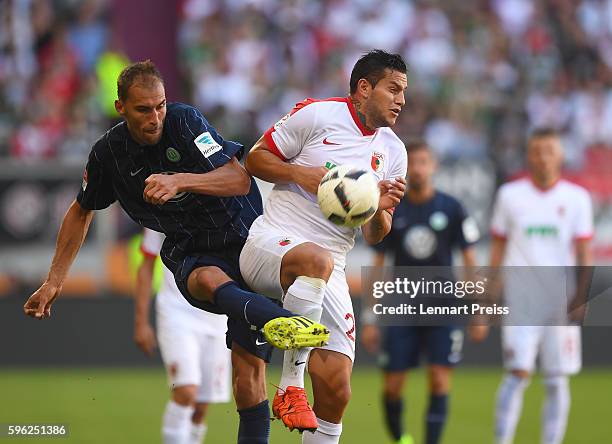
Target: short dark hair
<point>417,145</point>
<point>137,72</point>
<point>540,133</point>
<point>371,66</point>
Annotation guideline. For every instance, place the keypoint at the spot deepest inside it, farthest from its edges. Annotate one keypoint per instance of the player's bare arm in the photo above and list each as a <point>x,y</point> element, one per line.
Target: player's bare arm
<point>229,180</point>
<point>144,335</point>
<point>265,165</point>
<point>391,193</point>
<point>584,272</point>
<point>69,240</point>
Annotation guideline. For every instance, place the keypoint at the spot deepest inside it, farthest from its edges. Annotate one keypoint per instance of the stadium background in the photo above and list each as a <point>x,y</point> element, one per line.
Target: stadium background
<point>482,73</point>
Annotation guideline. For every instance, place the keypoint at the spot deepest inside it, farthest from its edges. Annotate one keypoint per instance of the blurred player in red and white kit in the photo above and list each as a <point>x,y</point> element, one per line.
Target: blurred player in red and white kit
<point>541,220</point>
<point>192,345</point>
<point>294,252</point>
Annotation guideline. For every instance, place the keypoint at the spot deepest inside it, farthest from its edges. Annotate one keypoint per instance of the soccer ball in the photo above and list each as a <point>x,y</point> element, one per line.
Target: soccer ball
<point>348,196</point>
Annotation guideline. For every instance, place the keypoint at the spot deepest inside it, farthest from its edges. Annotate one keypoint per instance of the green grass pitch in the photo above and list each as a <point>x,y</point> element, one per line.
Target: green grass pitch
<point>125,405</point>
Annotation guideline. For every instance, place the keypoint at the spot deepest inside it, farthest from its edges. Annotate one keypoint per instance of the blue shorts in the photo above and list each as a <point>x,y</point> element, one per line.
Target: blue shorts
<point>239,331</point>
<point>403,346</point>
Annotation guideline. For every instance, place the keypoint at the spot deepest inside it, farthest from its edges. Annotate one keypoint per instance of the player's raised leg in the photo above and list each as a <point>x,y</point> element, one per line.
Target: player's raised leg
<point>212,285</point>
<point>305,270</point>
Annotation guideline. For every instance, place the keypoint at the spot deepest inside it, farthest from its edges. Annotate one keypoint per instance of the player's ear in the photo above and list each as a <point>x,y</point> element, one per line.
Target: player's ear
<point>364,88</point>
<point>119,107</point>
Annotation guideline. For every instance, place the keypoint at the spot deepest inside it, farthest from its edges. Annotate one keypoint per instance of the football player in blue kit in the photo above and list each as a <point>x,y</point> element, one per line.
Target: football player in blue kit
<point>173,173</point>
<point>427,225</point>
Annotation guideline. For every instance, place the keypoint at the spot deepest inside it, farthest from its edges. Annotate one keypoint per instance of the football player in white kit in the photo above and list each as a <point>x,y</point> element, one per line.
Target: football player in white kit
<point>294,252</point>
<point>192,345</point>
<point>541,220</point>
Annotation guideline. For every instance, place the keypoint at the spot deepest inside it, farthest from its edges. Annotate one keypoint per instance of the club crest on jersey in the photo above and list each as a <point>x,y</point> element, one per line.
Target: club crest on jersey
<point>284,242</point>
<point>378,161</point>
<point>173,155</point>
<point>206,144</point>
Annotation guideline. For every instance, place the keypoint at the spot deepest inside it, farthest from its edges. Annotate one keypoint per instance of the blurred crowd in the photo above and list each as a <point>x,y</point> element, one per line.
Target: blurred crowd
<point>481,72</point>
<point>54,55</point>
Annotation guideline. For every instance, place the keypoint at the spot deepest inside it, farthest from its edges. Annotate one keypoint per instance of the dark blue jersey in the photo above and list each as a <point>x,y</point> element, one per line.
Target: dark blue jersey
<point>118,167</point>
<point>426,233</point>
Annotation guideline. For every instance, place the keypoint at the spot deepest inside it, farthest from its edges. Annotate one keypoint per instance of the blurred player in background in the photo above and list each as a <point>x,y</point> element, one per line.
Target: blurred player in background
<point>541,220</point>
<point>295,253</point>
<point>173,173</point>
<point>192,346</point>
<point>427,225</point>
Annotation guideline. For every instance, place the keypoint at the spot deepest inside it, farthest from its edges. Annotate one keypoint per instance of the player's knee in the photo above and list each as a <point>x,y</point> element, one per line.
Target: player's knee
<point>207,280</point>
<point>319,265</point>
<point>522,374</point>
<point>338,397</point>
<point>439,381</point>
<point>184,395</point>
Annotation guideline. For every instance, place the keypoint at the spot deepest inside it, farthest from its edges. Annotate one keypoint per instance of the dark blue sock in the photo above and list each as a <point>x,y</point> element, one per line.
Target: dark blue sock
<point>254,308</point>
<point>393,417</point>
<point>436,418</point>
<point>254,424</point>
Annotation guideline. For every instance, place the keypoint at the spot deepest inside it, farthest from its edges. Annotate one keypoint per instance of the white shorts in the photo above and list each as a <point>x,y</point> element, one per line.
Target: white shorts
<point>558,348</point>
<point>193,358</point>
<point>260,264</point>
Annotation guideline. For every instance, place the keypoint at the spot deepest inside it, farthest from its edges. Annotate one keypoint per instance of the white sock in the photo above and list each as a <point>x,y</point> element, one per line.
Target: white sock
<point>327,433</point>
<point>197,433</point>
<point>556,409</point>
<point>176,423</point>
<point>508,408</point>
<point>304,297</point>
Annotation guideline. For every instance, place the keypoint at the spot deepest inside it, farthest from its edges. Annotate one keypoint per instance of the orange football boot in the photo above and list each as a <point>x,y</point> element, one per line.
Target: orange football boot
<point>291,406</point>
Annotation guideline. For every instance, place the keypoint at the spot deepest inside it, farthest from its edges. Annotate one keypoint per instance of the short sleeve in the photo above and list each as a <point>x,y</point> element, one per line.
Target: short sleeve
<point>289,135</point>
<point>500,224</point>
<point>213,151</point>
<point>400,165</point>
<point>466,230</point>
<point>583,227</point>
<point>151,242</point>
<point>96,188</point>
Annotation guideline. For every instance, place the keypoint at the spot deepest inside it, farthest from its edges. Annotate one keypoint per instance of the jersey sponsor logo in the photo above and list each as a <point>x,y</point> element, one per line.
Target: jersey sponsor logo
<point>84,183</point>
<point>544,231</point>
<point>258,342</point>
<point>329,142</point>
<point>378,161</point>
<point>206,144</point>
<point>173,155</point>
<point>329,165</point>
<point>133,173</point>
<point>420,242</point>
<point>297,363</point>
<point>438,220</point>
<point>284,242</point>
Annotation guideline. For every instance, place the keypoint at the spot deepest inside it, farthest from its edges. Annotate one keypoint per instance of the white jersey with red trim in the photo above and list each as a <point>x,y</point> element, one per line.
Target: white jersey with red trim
<point>325,133</point>
<point>541,226</point>
<point>170,303</point>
